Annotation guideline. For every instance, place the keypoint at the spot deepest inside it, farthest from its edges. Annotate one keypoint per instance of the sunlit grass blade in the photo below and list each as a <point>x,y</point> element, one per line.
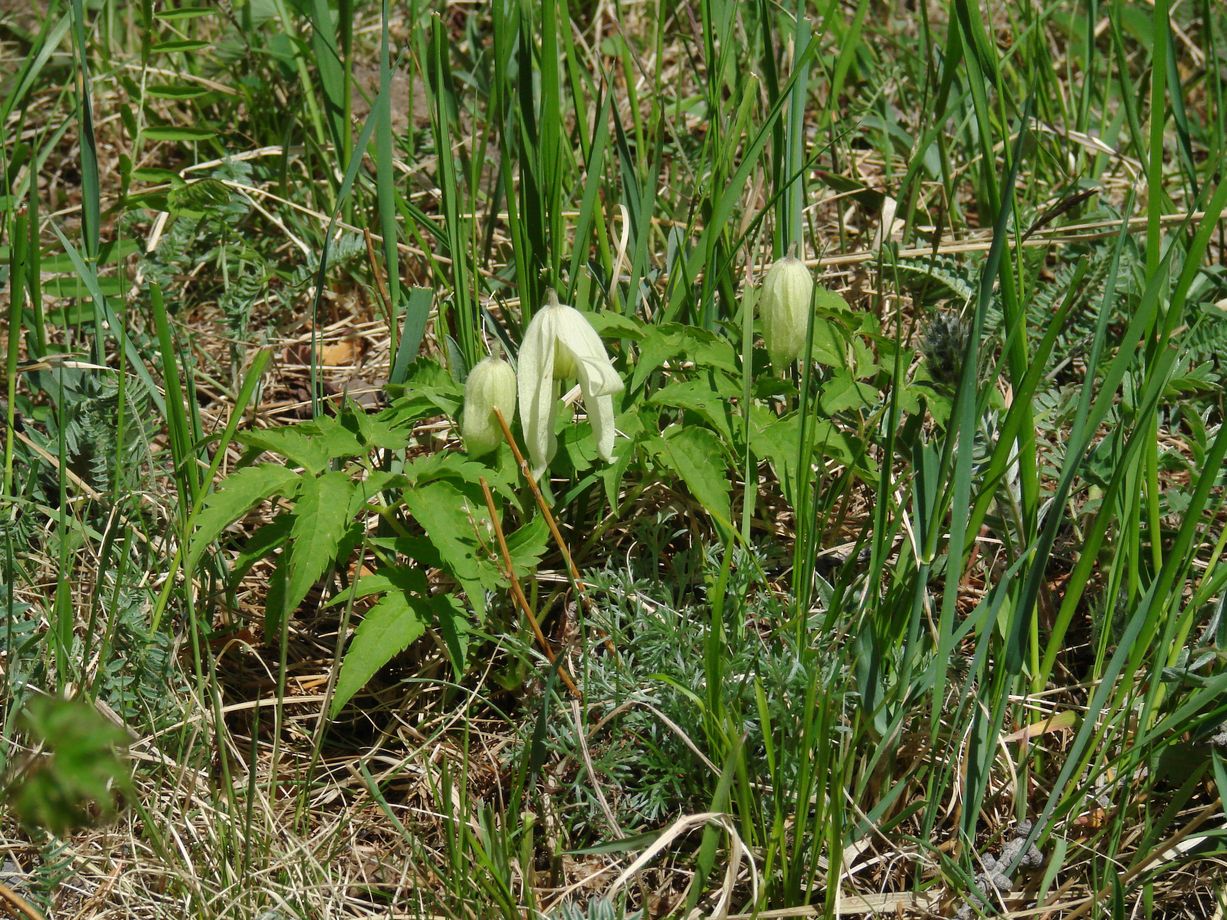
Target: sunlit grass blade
<point>385,181</point>
<point>462,317</point>
<point>18,268</point>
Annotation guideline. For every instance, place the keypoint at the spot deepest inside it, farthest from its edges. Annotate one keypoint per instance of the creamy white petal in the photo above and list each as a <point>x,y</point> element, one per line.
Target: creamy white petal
<point>889,228</point>
<point>560,342</point>
<point>601,417</point>
<point>592,365</point>
<point>538,399</point>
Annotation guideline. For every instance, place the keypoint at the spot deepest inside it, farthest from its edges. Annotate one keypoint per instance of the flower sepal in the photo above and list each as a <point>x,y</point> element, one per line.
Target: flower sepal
<point>560,344</point>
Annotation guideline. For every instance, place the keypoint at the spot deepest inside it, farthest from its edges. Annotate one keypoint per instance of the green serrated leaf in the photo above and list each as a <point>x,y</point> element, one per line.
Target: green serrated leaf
<point>385,631</point>
<point>672,340</point>
<point>449,517</point>
<point>697,456</point>
<point>527,545</point>
<point>779,441</point>
<point>830,303</point>
<point>842,392</point>
<point>388,579</point>
<point>376,430</point>
<point>241,491</point>
<point>697,396</point>
<point>369,488</point>
<point>338,442</point>
<point>321,519</point>
<point>311,445</point>
<point>832,443</point>
<point>428,390</point>
<point>382,481</point>
<point>459,468</point>
<point>450,465</point>
<point>453,623</point>
<point>262,543</point>
<point>712,352</point>
<point>828,349</point>
<point>609,324</point>
<point>293,442</point>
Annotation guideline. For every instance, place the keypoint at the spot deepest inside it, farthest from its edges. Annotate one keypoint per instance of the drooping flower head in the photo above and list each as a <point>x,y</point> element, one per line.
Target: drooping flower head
<point>560,344</point>
<point>491,385</point>
<point>784,307</point>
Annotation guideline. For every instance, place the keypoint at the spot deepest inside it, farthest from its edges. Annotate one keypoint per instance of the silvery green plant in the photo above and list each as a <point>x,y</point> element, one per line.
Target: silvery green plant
<point>599,908</point>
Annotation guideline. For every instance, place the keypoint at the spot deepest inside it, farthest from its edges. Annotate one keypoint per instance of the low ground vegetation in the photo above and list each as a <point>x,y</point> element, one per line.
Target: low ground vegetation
<point>431,488</point>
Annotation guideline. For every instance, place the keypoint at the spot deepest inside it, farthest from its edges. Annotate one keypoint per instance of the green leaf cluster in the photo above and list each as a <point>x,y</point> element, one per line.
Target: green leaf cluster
<point>343,484</point>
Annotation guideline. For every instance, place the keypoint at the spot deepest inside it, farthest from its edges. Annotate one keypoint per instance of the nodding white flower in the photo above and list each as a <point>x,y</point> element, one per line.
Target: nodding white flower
<point>784,306</point>
<point>491,385</point>
<point>558,345</point>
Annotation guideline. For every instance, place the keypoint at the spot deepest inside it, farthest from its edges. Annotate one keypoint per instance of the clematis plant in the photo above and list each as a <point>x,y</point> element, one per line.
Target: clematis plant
<point>560,344</point>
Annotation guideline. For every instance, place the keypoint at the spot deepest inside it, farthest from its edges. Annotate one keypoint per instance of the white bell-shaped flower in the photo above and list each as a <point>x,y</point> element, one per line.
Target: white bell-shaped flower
<point>560,344</point>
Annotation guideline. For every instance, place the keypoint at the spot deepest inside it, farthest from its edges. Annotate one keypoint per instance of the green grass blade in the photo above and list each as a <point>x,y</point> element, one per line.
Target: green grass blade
<point>385,181</point>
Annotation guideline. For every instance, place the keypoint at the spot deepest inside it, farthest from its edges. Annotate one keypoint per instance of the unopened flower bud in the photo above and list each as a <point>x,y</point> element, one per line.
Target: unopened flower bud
<point>784,306</point>
<point>491,385</point>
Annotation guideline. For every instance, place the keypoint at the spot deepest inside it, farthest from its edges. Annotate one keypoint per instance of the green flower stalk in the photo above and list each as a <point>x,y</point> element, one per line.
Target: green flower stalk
<point>560,344</point>
<point>491,385</point>
<point>784,307</point>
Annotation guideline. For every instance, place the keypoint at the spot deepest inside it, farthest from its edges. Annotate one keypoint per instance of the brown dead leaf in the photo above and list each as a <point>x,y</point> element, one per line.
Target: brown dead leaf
<point>1057,722</point>
<point>343,353</point>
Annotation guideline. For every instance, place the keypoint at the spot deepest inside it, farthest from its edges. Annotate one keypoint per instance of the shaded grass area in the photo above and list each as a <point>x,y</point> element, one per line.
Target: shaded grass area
<point>929,623</point>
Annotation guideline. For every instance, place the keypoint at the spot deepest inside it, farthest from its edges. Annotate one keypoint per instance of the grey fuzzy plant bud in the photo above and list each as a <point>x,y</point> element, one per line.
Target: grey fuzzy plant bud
<point>944,345</point>
<point>784,307</point>
<point>491,385</point>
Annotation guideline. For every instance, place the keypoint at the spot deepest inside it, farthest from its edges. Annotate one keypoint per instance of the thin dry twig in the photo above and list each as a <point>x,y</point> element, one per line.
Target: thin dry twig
<point>518,593</point>
<point>18,903</point>
<point>737,851</point>
<point>385,299</point>
<point>572,569</point>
